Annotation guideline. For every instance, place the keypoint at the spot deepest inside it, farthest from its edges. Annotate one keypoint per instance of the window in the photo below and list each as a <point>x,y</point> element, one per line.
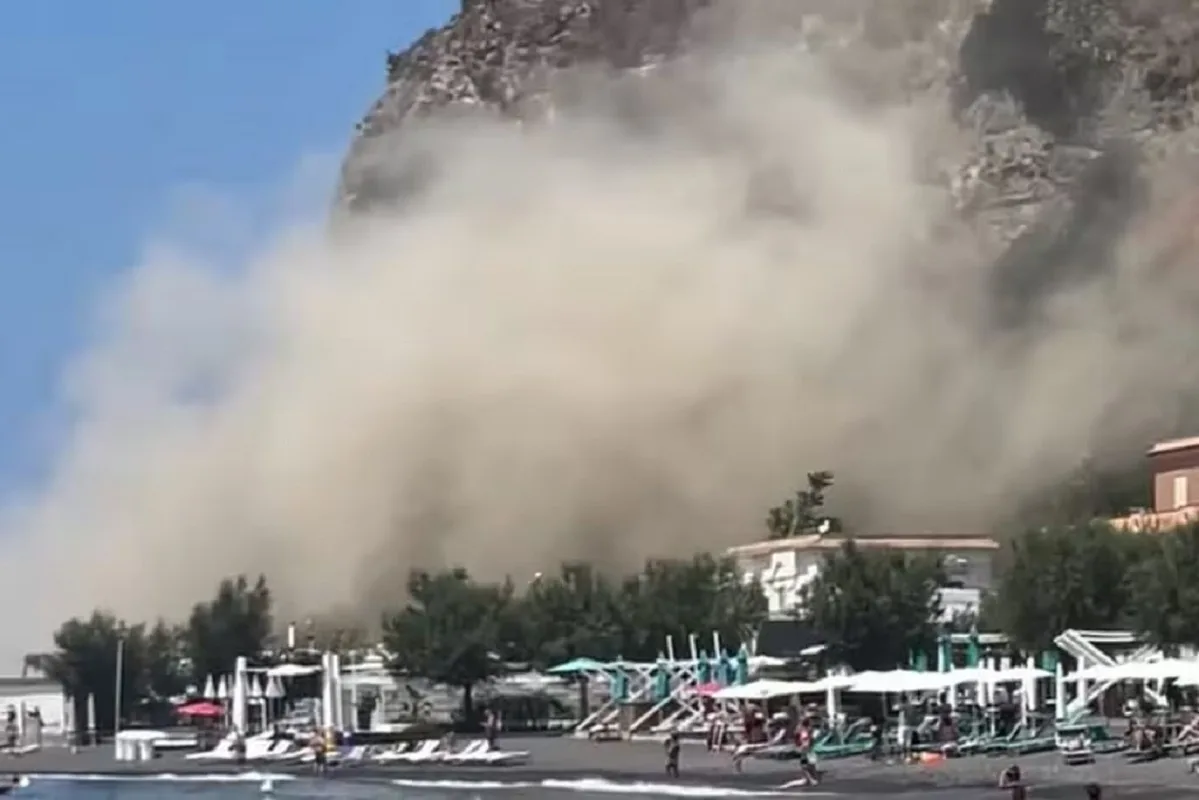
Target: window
<point>1180,491</point>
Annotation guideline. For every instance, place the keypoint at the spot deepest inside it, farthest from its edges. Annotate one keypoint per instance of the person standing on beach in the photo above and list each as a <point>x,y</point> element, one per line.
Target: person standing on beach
<point>1013,781</point>
<point>1094,791</point>
<point>491,729</point>
<point>673,746</point>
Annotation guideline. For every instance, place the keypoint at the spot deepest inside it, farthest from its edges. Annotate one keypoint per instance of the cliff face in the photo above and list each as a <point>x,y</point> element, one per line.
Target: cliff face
<point>1046,87</point>
<point>1075,117</point>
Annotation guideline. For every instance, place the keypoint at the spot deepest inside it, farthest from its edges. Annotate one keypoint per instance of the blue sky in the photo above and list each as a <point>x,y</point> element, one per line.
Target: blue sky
<point>115,110</point>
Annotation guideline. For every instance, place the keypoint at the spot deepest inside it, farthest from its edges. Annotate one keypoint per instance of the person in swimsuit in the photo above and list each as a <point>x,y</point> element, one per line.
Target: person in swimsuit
<point>672,755</point>
<point>803,742</point>
<point>1094,791</point>
<point>1011,780</point>
<point>320,756</point>
<point>11,786</point>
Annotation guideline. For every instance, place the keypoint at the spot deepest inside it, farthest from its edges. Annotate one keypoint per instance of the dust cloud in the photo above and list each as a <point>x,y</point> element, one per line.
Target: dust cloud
<point>623,334</point>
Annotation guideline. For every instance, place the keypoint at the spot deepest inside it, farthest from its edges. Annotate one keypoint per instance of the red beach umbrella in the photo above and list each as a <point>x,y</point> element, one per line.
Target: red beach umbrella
<point>200,708</point>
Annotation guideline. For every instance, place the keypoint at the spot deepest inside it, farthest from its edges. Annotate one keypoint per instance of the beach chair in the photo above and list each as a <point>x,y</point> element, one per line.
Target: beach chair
<point>222,751</point>
<point>473,747</point>
<point>1074,744</point>
<point>426,752</point>
<point>336,758</point>
<point>1042,739</point>
<point>1186,741</point>
<point>852,741</point>
<point>262,748</point>
<point>286,750</point>
<point>487,757</point>
<point>1103,741</point>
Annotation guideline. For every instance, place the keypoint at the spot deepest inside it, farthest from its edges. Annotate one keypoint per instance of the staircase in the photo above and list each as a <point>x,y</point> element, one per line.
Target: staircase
<point>1082,646</point>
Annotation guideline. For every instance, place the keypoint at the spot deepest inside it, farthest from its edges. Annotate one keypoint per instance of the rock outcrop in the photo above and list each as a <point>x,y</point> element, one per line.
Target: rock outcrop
<point>1066,104</point>
<point>1047,85</point>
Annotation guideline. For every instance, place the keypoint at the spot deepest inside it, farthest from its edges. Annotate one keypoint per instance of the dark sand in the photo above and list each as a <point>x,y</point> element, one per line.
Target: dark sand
<point>642,762</point>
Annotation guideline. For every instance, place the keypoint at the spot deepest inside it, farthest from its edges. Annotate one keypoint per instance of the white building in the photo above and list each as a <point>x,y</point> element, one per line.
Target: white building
<point>23,695</point>
<point>785,566</point>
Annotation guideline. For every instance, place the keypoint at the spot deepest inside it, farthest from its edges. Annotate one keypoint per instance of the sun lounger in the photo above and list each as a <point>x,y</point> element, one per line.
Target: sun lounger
<point>491,758</point>
<point>283,750</point>
<point>472,748</point>
<point>1074,743</point>
<point>426,752</point>
<point>353,755</point>
<point>222,751</point>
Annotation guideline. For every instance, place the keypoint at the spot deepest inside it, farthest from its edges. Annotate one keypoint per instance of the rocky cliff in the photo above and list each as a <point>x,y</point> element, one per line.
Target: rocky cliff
<point>1077,116</point>
<point>1057,93</point>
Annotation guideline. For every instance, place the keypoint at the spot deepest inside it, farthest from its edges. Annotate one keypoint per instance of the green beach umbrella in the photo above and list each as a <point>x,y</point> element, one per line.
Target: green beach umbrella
<point>945,647</point>
<point>725,669</point>
<point>575,666</point>
<point>918,660</point>
<point>703,668</point>
<point>620,682</point>
<point>742,676</point>
<point>1049,661</point>
<point>661,680</point>
<point>974,650</point>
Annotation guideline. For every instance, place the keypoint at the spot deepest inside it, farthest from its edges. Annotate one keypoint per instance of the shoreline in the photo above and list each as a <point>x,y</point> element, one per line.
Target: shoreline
<point>565,763</point>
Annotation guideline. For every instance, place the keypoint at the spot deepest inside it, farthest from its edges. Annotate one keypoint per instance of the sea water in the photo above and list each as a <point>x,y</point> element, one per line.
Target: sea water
<point>264,786</point>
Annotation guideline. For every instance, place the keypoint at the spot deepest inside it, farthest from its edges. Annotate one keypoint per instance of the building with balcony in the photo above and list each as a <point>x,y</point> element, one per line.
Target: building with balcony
<point>1174,469</point>
<point>784,567</point>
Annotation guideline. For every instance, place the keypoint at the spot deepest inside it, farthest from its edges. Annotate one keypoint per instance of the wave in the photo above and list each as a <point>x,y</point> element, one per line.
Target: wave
<point>604,786</point>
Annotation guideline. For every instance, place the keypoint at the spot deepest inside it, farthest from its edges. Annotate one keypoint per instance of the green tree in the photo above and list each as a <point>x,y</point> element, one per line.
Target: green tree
<point>873,607</point>
<point>676,598</point>
<point>1070,576</point>
<point>449,631</point>
<point>236,622</point>
<point>1164,588</point>
<point>85,663</point>
<point>576,613</point>
<point>1093,490</point>
<point>164,658</point>
<point>803,513</point>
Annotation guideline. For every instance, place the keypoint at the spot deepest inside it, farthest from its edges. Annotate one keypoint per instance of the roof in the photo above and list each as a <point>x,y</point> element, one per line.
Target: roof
<point>1174,445</point>
<point>824,543</point>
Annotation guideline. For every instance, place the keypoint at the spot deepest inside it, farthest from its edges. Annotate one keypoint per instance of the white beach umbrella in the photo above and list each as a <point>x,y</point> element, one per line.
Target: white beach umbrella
<point>763,690</point>
<point>1164,669</point>
<point>291,671</point>
<point>1021,674</point>
<point>967,675</point>
<point>254,690</point>
<point>209,689</point>
<point>222,689</point>
<point>897,681</point>
<point>274,688</point>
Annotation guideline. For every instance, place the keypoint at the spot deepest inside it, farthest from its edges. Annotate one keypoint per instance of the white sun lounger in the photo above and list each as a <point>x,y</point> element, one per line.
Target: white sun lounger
<point>423,752</point>
<point>283,750</point>
<point>223,750</point>
<point>429,752</point>
<point>493,758</point>
<point>353,755</point>
<point>472,748</point>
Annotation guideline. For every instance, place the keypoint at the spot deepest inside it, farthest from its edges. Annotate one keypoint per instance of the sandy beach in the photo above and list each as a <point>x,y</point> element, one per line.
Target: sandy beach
<point>565,759</point>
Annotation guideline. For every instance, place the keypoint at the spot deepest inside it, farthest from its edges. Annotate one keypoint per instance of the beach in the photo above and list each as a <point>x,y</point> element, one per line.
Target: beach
<point>565,762</point>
